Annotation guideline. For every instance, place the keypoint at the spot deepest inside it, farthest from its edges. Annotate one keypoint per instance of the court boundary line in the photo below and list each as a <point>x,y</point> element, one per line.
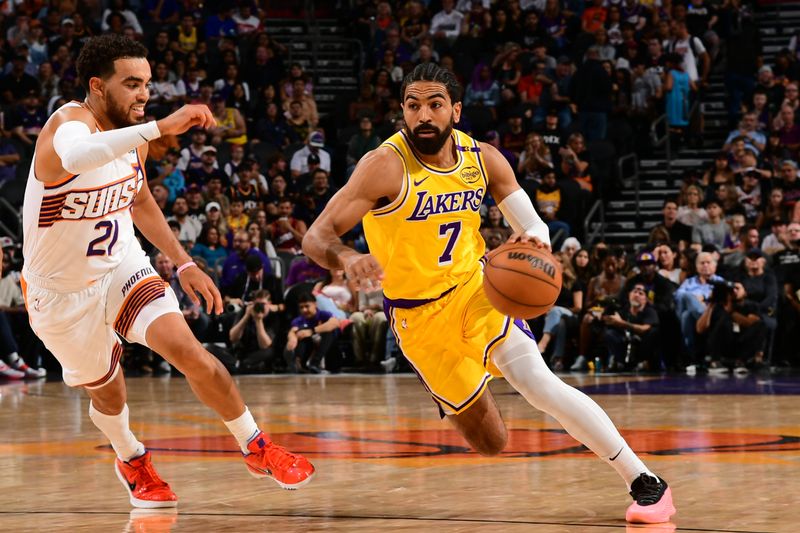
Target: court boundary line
<point>387,518</point>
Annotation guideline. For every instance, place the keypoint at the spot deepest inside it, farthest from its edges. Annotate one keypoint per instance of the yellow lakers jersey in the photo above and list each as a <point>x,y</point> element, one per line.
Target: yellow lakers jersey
<point>427,240</point>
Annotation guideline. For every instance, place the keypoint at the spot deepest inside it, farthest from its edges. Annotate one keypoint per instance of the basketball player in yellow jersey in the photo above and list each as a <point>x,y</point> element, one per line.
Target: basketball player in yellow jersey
<point>419,195</point>
<point>88,282</point>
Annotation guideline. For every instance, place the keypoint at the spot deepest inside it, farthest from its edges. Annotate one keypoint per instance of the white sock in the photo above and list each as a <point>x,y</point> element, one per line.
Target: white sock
<point>116,428</point>
<point>519,360</point>
<point>627,464</point>
<point>243,428</point>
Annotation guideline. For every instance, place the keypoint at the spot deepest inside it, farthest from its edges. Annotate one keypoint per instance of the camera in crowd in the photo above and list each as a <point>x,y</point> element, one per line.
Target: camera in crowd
<point>610,306</point>
<point>258,307</point>
<point>233,308</point>
<point>720,292</point>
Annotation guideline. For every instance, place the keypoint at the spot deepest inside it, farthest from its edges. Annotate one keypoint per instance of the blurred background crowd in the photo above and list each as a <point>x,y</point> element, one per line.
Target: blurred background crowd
<point>563,88</point>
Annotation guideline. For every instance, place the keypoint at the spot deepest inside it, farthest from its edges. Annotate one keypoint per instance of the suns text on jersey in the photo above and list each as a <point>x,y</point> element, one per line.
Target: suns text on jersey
<point>449,202</point>
<point>100,202</point>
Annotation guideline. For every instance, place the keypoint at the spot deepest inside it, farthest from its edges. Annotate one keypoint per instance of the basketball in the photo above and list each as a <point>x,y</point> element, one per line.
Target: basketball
<point>521,280</point>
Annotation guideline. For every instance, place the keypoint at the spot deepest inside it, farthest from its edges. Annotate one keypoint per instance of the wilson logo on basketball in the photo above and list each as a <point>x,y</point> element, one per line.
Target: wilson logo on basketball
<point>536,263</point>
<point>470,175</point>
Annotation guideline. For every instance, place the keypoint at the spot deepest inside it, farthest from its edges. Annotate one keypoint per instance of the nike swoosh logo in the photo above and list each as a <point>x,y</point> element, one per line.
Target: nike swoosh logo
<point>418,183</point>
<point>132,486</point>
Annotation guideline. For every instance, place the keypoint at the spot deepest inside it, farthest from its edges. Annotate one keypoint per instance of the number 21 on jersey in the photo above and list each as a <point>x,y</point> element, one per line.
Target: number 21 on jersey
<point>110,230</point>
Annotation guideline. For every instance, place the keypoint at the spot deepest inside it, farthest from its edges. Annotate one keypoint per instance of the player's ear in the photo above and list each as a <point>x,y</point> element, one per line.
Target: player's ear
<point>457,112</point>
<point>96,86</point>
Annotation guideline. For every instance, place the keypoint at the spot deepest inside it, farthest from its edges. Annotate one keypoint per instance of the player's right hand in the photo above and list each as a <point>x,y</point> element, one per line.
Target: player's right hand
<point>364,270</point>
<point>187,117</point>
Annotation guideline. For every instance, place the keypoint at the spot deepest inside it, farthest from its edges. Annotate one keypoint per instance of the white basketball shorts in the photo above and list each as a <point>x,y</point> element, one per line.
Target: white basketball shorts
<point>82,328</point>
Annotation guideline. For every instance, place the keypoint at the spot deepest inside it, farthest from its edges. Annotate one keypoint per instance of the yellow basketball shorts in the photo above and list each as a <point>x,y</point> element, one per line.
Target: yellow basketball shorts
<point>449,341</point>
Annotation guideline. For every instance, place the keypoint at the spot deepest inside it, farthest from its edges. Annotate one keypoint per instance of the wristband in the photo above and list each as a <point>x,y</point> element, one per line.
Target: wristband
<point>185,266</point>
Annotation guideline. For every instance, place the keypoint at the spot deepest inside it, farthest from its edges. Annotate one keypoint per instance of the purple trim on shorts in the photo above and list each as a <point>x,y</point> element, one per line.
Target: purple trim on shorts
<point>521,324</point>
<point>404,303</point>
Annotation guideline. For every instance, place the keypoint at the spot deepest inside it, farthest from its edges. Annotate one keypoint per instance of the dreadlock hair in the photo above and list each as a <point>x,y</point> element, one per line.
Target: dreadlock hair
<point>435,73</point>
<point>97,56</point>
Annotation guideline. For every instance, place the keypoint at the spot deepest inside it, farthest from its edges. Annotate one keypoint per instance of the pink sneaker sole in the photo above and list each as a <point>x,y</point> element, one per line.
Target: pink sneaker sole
<point>652,514</point>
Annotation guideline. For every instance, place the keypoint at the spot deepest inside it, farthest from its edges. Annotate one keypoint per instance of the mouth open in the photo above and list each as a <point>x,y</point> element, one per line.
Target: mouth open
<point>137,110</point>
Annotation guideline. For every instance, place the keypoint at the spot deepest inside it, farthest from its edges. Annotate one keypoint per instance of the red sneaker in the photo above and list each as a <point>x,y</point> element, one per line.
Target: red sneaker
<point>652,501</point>
<point>267,459</point>
<point>146,489</point>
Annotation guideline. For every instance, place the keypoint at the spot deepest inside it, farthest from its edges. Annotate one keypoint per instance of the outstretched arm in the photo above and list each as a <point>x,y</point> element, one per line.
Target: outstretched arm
<point>378,175</point>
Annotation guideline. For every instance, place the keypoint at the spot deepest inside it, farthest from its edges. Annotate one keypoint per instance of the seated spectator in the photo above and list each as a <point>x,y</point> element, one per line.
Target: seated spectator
<point>495,223</point>
<point>733,330</point>
<point>631,334</point>
<point>12,365</point>
<point>287,232</point>
<point>600,293</point>
<point>314,144</point>
<point>761,286</point>
<point>234,265</point>
<point>691,300</point>
<point>569,304</point>
<point>712,231</point>
<point>774,242</point>
<point>253,332</point>
<point>679,233</point>
<point>9,157</point>
<point>230,127</point>
<point>748,129</point>
<point>254,278</point>
<point>237,219</point>
<point>548,203</point>
<point>535,160</point>
<point>272,128</point>
<point>190,227</point>
<point>774,208</point>
<point>668,265</point>
<point>209,248</point>
<point>749,195</point>
<point>207,170</point>
<point>311,337</point>
<point>790,184</point>
<point>370,328</point>
<point>247,190</point>
<point>318,195</point>
<point>304,270</point>
<point>27,120</point>
<point>192,155</point>
<point>719,172</point>
<point>482,90</point>
<point>195,316</point>
<point>362,142</point>
<point>576,161</point>
<point>336,294</point>
<point>691,212</point>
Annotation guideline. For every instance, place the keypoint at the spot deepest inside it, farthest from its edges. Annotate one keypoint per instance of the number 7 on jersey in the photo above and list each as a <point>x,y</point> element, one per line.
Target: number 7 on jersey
<point>451,232</point>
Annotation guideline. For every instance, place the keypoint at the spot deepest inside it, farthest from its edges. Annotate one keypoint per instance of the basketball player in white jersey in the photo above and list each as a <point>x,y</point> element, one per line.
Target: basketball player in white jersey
<point>87,281</point>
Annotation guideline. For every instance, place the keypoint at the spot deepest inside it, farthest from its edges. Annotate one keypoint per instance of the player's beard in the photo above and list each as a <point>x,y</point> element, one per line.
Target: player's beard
<point>429,145</point>
<point>119,116</point>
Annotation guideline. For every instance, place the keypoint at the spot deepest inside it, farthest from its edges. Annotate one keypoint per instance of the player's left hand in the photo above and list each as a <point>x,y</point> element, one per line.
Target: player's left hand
<point>194,281</point>
<point>524,237</point>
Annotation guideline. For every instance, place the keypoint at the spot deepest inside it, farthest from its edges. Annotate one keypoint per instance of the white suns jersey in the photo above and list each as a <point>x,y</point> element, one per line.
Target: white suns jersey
<point>80,228</point>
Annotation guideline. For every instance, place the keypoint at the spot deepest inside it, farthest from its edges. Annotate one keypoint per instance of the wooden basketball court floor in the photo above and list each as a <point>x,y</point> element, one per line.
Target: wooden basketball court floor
<point>729,447</point>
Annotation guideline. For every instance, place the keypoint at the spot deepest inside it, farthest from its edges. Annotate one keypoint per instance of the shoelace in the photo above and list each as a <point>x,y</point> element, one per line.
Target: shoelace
<point>149,477</point>
<point>648,492</point>
<point>285,458</point>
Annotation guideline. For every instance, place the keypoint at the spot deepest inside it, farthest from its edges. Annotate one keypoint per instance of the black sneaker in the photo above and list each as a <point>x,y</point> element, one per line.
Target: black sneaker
<point>652,501</point>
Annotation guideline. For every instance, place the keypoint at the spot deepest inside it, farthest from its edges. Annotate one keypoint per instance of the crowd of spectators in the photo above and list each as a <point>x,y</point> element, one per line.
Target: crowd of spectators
<point>559,87</point>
